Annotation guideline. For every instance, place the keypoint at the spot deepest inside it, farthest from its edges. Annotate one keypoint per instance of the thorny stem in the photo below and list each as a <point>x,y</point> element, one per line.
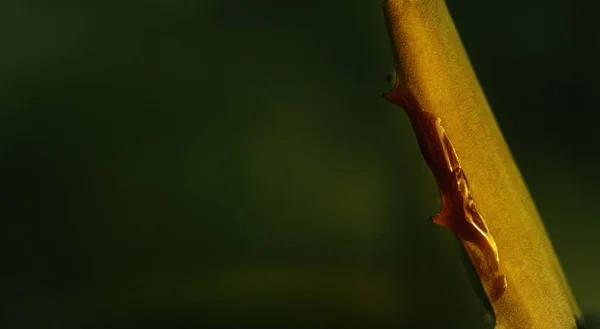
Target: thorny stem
<point>484,199</point>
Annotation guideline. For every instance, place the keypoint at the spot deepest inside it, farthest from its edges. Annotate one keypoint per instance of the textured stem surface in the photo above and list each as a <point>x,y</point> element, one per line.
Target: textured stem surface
<point>484,199</point>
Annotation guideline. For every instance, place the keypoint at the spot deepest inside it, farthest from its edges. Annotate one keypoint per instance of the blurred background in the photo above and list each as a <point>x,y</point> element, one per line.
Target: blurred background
<point>191,164</point>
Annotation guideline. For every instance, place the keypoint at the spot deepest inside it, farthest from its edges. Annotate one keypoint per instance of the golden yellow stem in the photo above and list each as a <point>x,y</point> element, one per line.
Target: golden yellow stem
<point>484,199</point>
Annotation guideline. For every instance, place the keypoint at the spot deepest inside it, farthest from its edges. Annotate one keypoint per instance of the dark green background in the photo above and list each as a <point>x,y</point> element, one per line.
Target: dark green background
<point>183,164</point>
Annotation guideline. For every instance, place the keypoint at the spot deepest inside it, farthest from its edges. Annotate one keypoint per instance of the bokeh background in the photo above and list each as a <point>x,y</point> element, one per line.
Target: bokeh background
<point>192,164</point>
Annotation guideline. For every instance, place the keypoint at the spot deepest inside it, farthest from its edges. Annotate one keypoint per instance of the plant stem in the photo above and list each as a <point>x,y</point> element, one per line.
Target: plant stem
<point>484,199</point>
